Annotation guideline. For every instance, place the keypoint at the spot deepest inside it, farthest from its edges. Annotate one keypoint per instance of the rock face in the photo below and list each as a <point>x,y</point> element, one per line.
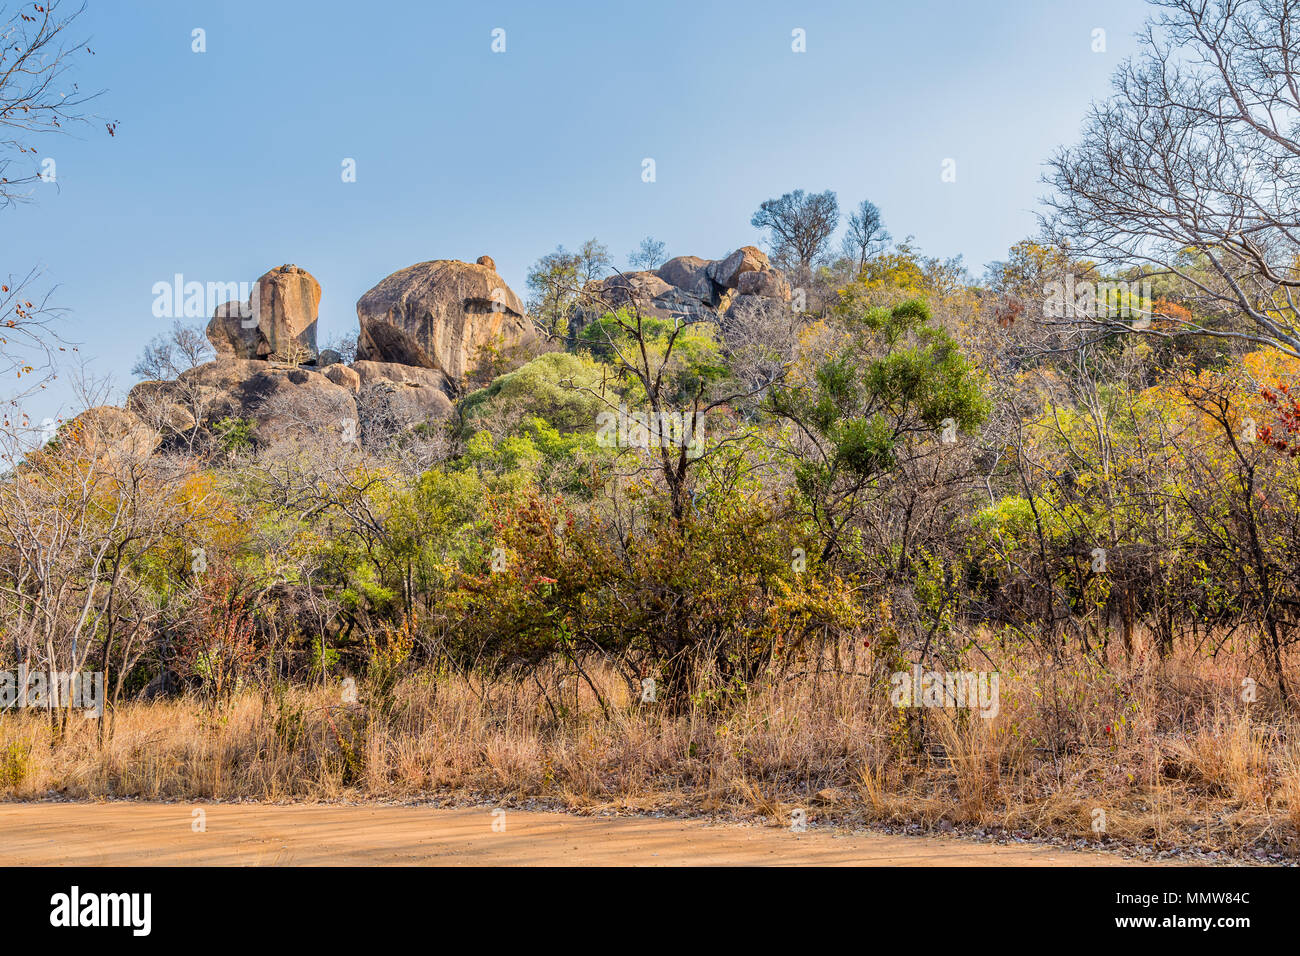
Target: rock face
<point>691,275</point>
<point>751,308</point>
<point>283,400</point>
<point>655,297</point>
<point>278,321</point>
<point>106,432</point>
<point>168,407</point>
<point>438,315</point>
<point>295,402</point>
<point>290,302</point>
<point>689,288</point>
<point>764,282</point>
<point>727,272</point>
<point>343,375</point>
<point>233,332</point>
<point>372,372</point>
<point>393,397</point>
<point>394,406</point>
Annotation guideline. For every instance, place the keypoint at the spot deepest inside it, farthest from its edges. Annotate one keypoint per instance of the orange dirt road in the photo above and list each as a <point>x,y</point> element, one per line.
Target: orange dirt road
<point>162,834</point>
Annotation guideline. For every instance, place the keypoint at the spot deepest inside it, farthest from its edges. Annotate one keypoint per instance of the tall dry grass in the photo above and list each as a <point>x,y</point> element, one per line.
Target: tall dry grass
<point>1168,751</point>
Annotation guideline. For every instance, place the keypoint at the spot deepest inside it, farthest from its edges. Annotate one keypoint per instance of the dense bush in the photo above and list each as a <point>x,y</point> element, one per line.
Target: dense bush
<point>907,476</point>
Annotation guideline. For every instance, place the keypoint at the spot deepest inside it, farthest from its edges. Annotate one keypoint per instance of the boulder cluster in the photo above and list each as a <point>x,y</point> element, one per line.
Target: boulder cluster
<point>423,331</point>
<point>690,288</point>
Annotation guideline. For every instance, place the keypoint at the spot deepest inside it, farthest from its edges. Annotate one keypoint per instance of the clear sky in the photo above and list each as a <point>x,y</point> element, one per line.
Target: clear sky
<point>227,163</point>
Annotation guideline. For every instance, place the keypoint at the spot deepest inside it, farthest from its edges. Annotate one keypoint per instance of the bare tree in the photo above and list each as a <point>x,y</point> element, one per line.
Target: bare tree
<point>28,342</point>
<point>182,348</point>
<point>168,400</point>
<point>1192,170</point>
<point>650,255</point>
<point>345,345</point>
<point>35,98</point>
<point>866,234</point>
<point>761,340</point>
<point>800,226</point>
<point>76,516</point>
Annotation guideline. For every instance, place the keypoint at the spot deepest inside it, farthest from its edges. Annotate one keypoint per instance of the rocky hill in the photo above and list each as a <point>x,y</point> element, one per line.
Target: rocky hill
<point>423,331</point>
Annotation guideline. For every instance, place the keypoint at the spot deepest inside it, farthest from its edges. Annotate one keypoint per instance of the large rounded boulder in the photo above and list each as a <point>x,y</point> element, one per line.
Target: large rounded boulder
<point>691,275</point>
<point>234,333</point>
<point>441,315</point>
<point>727,272</point>
<point>107,432</point>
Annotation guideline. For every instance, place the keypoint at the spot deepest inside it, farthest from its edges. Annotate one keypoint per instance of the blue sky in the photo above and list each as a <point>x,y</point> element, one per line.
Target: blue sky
<point>228,163</point>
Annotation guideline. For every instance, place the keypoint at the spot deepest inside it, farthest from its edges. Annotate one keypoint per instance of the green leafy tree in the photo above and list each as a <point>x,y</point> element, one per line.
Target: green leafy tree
<point>893,386</point>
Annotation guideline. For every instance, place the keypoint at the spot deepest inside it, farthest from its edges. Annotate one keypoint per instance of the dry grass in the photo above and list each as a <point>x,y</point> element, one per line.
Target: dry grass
<point>1168,751</point>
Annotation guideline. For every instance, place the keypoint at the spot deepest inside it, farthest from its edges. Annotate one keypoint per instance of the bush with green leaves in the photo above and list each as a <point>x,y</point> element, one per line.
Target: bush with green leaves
<point>890,383</point>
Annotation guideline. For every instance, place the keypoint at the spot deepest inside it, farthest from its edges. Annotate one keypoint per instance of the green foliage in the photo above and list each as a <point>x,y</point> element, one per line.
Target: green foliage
<point>234,434</point>
<point>863,446</point>
<point>558,586</point>
<point>562,390</point>
<point>696,361</point>
<point>877,399</point>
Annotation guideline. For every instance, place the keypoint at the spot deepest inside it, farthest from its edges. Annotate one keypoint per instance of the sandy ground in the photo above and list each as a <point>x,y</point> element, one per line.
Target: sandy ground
<point>153,834</point>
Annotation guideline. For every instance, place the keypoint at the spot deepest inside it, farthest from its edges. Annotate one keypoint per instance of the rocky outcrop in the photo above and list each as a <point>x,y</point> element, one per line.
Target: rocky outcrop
<point>282,400</point>
<point>651,294</point>
<point>297,402</point>
<point>727,272</point>
<point>372,372</point>
<point>289,304</point>
<point>277,322</point>
<point>106,432</point>
<point>440,315</point>
<point>423,332</point>
<point>689,288</point>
